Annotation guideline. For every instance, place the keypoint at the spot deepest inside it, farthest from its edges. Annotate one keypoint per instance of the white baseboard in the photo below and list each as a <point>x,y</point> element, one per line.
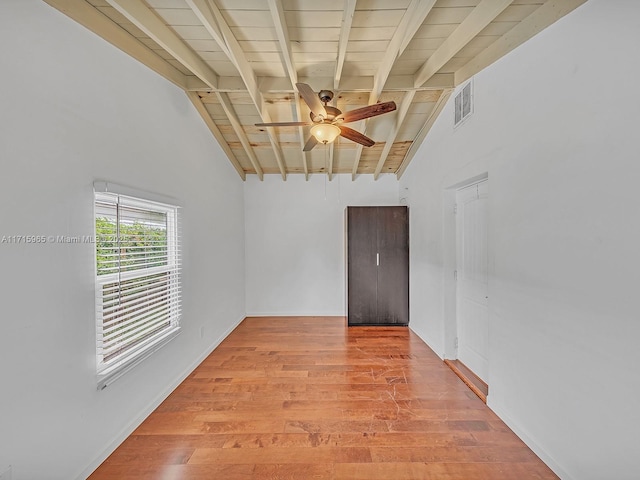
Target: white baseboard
<point>503,415</point>
<point>531,443</point>
<point>135,423</point>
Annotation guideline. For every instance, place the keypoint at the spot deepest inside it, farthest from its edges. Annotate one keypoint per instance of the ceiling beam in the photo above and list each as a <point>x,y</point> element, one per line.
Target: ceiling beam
<point>356,163</point>
<point>540,19</point>
<point>298,115</point>
<point>205,14</point>
<point>282,32</point>
<point>345,30</point>
<point>225,102</point>
<point>90,17</point>
<point>476,21</point>
<point>393,133</point>
<point>305,155</point>
<point>274,142</point>
<point>347,84</point>
<point>415,22</point>
<point>395,83</point>
<point>147,21</point>
<point>202,110</point>
<point>212,19</point>
<point>194,84</point>
<point>417,142</point>
<point>413,18</point>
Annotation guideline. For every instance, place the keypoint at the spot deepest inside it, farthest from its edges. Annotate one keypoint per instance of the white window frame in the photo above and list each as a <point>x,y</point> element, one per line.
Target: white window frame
<point>113,368</point>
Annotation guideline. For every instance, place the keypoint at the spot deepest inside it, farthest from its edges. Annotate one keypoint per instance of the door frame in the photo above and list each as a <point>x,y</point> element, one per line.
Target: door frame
<point>449,237</point>
<point>473,326</point>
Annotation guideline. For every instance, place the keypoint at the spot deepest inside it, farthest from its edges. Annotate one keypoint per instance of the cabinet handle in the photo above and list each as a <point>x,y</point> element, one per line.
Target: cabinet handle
<point>377,259</point>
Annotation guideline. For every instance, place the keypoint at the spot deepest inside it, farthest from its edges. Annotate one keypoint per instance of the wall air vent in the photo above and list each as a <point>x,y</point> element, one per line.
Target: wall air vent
<point>463,104</point>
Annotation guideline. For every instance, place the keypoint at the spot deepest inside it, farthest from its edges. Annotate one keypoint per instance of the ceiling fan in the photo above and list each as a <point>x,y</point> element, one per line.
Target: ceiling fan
<point>327,121</point>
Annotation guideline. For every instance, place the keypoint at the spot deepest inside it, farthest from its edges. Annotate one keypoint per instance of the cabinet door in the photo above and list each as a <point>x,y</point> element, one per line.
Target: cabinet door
<point>361,267</point>
<point>393,268</point>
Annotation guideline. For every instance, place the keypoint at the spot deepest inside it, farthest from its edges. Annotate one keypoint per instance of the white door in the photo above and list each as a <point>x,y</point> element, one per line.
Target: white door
<point>471,266</point>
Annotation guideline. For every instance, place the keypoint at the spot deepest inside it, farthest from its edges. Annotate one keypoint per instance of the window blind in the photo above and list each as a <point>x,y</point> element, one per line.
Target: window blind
<point>138,294</point>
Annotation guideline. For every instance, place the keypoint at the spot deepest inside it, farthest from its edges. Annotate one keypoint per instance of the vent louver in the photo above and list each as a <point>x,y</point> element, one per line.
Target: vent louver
<point>463,105</point>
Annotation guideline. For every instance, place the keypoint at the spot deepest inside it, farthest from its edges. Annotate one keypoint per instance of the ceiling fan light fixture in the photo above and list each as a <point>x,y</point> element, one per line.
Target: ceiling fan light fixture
<point>325,132</point>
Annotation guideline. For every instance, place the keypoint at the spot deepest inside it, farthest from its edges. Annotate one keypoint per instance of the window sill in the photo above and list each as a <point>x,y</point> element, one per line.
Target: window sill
<point>113,372</point>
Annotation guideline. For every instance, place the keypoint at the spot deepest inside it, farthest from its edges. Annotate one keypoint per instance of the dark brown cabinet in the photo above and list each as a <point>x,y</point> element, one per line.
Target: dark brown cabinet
<point>378,265</point>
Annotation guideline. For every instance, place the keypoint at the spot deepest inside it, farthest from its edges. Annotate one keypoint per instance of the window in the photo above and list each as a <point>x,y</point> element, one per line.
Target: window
<point>137,280</point>
<point>463,104</point>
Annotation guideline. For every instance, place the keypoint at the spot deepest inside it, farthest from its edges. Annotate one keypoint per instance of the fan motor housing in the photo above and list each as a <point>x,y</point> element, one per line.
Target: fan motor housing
<point>332,113</point>
<point>325,95</point>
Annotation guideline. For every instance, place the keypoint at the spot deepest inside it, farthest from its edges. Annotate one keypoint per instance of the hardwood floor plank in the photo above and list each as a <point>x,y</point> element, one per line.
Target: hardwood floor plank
<point>287,455</point>
<point>308,398</point>
<point>335,426</point>
<point>452,454</point>
<point>440,471</point>
<point>295,471</point>
<point>320,440</point>
<point>174,472</point>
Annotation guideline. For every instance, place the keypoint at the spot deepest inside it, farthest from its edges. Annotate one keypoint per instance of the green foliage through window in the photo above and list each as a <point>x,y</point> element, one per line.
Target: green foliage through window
<point>138,245</point>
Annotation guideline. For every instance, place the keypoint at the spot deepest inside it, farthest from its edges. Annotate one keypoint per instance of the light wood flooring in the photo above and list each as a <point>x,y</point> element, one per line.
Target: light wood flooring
<point>309,398</point>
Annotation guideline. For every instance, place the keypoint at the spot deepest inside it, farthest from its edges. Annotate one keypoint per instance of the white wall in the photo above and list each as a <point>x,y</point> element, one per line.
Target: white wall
<point>74,109</point>
<point>295,240</point>
<point>555,128</point>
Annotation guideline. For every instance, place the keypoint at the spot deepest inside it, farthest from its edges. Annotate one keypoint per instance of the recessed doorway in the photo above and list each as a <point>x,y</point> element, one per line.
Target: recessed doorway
<point>469,322</point>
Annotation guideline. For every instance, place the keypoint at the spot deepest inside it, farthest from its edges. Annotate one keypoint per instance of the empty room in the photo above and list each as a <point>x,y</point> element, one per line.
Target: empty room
<point>340,239</point>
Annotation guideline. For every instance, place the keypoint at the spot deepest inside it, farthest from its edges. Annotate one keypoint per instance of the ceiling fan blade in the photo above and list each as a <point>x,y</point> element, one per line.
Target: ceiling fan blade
<point>312,142</point>
<point>367,112</point>
<point>355,136</point>
<point>283,124</point>
<point>311,99</point>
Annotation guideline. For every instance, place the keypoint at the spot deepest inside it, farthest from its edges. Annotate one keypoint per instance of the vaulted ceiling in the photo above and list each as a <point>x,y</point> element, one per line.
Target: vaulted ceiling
<point>239,62</point>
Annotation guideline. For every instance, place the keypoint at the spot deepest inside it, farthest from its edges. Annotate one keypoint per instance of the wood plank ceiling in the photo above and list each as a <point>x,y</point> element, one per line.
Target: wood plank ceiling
<point>239,62</point>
